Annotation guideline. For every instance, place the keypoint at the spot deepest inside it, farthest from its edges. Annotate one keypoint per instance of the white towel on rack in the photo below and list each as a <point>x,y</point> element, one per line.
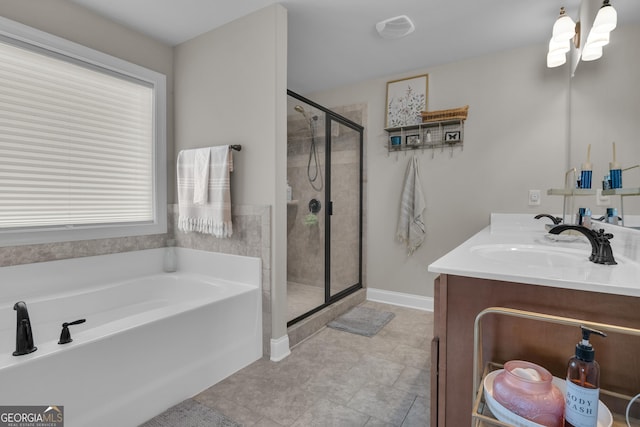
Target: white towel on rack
<point>411,228</point>
<point>214,215</point>
<point>201,175</point>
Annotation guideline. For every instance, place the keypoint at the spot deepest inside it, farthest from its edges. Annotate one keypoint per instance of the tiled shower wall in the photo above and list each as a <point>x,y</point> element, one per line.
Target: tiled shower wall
<point>251,237</point>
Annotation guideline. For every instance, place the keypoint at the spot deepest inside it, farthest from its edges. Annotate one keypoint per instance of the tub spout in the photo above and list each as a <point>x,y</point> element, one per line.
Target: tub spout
<point>24,335</point>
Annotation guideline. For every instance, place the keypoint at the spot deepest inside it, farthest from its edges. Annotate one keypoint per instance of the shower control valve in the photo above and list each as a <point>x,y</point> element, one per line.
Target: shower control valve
<point>314,206</point>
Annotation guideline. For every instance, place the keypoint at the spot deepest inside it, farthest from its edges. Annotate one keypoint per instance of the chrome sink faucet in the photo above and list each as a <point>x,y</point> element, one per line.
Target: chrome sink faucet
<point>601,252</point>
<point>24,336</point>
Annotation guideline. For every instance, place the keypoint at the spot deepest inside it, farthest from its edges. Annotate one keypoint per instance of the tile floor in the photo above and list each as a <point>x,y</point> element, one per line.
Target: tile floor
<point>337,379</point>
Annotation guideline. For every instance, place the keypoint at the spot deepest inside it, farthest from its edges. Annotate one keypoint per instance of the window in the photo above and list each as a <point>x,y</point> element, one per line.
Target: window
<point>82,142</point>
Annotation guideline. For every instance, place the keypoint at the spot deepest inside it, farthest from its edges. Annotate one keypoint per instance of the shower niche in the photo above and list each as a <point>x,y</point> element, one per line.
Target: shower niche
<point>324,211</point>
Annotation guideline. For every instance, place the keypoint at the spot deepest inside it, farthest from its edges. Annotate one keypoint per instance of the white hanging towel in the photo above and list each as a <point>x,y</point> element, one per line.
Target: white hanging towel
<point>201,166</point>
<point>411,229</point>
<point>209,213</point>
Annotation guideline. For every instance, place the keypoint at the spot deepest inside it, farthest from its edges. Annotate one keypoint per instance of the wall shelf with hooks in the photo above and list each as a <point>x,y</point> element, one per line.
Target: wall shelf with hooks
<point>439,134</point>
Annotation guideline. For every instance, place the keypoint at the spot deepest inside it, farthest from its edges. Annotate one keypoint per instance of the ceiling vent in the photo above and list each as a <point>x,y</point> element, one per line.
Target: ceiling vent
<point>395,28</point>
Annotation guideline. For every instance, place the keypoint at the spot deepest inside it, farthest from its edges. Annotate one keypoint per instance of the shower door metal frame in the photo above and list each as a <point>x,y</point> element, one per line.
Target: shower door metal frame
<point>330,117</point>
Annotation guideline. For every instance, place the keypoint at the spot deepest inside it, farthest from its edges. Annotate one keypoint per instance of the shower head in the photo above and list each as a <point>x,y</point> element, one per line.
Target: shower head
<point>301,110</point>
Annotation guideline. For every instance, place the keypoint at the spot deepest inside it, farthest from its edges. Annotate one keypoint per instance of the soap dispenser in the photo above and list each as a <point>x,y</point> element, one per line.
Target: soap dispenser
<point>583,384</point>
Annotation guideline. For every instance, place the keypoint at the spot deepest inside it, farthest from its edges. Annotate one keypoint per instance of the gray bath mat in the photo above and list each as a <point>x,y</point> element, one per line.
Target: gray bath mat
<point>190,414</point>
<point>362,321</point>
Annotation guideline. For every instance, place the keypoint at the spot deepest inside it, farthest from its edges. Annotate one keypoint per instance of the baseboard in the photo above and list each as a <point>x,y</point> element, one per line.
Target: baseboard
<point>280,348</point>
<point>398,298</point>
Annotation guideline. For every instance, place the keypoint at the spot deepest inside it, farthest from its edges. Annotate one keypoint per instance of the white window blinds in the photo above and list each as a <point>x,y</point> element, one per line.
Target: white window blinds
<point>76,143</point>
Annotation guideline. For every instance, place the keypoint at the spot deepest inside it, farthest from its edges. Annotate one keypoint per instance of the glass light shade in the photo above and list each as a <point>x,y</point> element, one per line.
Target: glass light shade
<point>559,47</point>
<point>564,28</point>
<point>591,53</point>
<point>606,20</point>
<point>555,59</point>
<point>597,39</point>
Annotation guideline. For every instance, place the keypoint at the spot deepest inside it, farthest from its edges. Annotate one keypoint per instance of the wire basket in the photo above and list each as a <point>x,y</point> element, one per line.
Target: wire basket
<point>440,115</point>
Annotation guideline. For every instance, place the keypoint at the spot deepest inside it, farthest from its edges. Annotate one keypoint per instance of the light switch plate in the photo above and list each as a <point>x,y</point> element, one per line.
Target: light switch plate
<point>534,197</point>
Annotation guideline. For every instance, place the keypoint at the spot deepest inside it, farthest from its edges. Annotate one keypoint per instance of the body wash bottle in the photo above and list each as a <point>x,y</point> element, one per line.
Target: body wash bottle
<point>583,384</point>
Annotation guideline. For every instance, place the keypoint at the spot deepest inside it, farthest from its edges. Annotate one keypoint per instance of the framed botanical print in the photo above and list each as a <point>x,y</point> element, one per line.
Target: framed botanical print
<point>406,99</point>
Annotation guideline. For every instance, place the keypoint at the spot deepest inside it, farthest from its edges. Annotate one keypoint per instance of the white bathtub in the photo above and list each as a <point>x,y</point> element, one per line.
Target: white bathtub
<point>151,339</point>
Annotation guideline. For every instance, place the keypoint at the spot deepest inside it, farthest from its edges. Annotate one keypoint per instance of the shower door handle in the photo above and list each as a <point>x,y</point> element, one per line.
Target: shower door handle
<point>330,207</point>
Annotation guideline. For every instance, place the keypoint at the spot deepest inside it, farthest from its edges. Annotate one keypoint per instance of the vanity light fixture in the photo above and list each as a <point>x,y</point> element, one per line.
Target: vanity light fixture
<point>564,29</point>
<point>606,19</point>
<point>605,22</point>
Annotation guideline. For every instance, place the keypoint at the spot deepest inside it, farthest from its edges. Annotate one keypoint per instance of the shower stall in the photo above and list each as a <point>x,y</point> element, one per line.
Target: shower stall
<point>324,207</point>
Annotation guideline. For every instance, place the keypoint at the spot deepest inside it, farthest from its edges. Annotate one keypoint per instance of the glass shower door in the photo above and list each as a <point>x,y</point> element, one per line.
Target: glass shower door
<point>324,210</point>
<point>344,208</point>
<point>306,222</point>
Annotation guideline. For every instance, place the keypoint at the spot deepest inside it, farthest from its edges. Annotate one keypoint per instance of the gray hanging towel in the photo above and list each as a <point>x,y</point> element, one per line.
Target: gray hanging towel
<point>411,229</point>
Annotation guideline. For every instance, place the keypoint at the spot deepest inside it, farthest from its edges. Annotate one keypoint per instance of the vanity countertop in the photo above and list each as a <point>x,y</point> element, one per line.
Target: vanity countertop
<point>517,248</point>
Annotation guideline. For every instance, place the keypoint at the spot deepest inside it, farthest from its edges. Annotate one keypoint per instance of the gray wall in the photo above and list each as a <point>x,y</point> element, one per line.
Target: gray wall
<point>515,140</point>
<point>221,100</point>
<point>67,20</point>
<point>230,86</point>
<point>72,22</point>
<point>527,126</point>
<point>605,107</point>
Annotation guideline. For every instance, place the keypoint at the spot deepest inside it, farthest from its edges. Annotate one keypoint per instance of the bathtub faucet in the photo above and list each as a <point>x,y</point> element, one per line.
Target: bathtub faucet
<point>24,337</point>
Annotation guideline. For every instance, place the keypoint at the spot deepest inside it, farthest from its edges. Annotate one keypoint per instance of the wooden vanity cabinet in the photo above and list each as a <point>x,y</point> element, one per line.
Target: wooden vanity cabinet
<point>458,300</point>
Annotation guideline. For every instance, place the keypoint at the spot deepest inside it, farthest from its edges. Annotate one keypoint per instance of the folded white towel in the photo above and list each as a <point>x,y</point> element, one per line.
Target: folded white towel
<point>214,215</point>
<point>201,175</point>
<point>411,229</point>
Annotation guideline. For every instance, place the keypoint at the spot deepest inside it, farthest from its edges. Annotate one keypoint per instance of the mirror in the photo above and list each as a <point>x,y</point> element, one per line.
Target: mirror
<point>604,108</point>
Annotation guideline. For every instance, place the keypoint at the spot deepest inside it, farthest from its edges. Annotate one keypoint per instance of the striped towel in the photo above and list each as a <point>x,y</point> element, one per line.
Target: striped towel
<point>201,168</point>
<point>210,213</point>
<point>411,229</point>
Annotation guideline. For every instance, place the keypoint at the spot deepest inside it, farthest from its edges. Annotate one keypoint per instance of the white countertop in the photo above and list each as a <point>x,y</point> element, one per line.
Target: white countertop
<point>525,232</point>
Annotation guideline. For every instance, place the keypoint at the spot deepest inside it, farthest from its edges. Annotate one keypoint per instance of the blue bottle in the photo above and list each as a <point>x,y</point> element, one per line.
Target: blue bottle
<point>615,173</point>
<point>585,178</point>
<point>612,216</point>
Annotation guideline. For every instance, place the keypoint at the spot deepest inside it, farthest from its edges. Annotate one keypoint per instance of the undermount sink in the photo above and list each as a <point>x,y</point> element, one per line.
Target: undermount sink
<point>533,255</point>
